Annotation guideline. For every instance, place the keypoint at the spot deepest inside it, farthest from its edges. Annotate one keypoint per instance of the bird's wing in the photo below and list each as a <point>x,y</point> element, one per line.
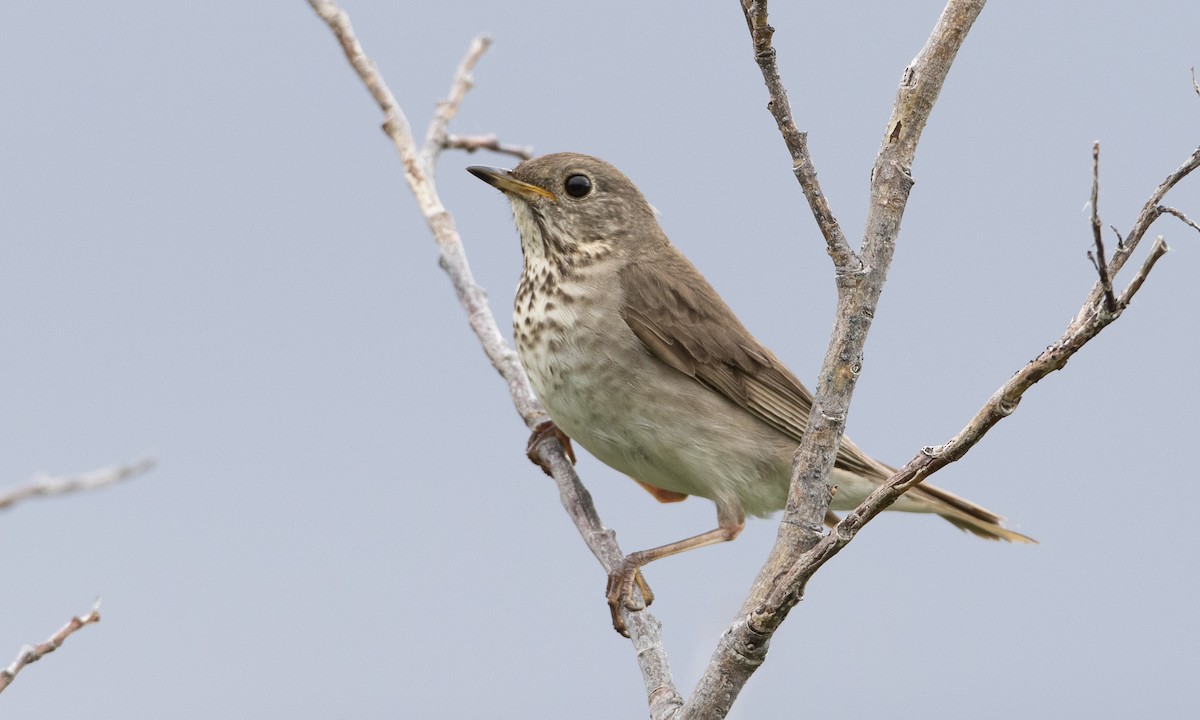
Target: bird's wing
<point>684,323</point>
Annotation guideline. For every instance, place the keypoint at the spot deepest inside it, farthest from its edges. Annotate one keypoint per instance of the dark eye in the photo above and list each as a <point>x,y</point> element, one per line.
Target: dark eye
<point>578,186</point>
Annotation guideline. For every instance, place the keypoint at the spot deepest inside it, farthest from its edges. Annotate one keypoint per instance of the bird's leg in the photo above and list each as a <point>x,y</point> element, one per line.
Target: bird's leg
<point>541,432</point>
<point>730,522</point>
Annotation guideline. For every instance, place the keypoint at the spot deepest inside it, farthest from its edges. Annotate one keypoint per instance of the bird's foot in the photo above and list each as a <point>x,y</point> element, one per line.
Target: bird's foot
<point>620,592</point>
<point>541,432</point>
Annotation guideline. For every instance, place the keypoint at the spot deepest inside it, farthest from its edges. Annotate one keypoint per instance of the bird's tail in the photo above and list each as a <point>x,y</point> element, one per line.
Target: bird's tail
<point>966,515</point>
<point>960,512</point>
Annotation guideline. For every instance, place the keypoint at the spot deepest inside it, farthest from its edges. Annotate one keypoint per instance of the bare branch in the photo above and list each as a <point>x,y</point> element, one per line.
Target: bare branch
<point>453,258</point>
<point>1195,85</point>
<point>1003,403</point>
<point>644,628</point>
<point>858,296</point>
<point>435,136</point>
<point>42,484</point>
<point>1098,261</point>
<point>1150,212</point>
<point>1165,210</point>
<point>31,654</point>
<point>339,22</point>
<point>844,258</point>
<point>1156,251</point>
<point>743,646</point>
<point>800,548</point>
<point>1120,239</point>
<point>471,143</point>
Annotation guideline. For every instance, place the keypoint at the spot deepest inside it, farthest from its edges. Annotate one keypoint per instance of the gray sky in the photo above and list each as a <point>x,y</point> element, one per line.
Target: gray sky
<point>209,254</point>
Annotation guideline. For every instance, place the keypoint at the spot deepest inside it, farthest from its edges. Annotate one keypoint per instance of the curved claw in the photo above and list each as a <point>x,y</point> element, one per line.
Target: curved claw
<point>619,592</point>
<point>541,432</point>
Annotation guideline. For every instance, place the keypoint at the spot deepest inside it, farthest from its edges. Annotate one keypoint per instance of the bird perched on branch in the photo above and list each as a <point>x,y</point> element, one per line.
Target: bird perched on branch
<point>639,360</point>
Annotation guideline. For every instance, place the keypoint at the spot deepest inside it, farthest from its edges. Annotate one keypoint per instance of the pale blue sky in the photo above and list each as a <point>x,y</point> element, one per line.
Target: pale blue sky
<point>208,253</point>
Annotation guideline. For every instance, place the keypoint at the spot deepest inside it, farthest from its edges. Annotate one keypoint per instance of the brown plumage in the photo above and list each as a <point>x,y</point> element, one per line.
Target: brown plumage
<point>638,359</point>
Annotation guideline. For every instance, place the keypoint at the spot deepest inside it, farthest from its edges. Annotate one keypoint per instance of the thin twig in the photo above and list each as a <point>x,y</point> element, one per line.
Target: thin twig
<point>1120,239</point>
<point>42,484</point>
<point>845,261</point>
<point>1195,85</point>
<point>1157,250</point>
<point>1166,210</point>
<point>472,143</point>
<point>453,259</point>
<point>1099,261</point>
<point>438,131</point>
<point>644,629</point>
<point>33,653</point>
<point>1150,212</point>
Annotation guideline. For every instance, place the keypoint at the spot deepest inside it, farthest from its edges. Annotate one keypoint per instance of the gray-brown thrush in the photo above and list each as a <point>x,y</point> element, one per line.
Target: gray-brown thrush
<point>637,358</point>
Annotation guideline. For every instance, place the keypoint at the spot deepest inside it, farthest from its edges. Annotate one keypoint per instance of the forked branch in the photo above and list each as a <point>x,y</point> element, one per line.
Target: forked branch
<point>802,550</point>
<point>796,556</point>
<point>859,283</point>
<point>1094,316</point>
<point>418,166</point>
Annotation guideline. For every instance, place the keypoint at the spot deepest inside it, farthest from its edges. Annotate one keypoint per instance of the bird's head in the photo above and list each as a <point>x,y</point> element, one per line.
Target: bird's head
<point>568,205</point>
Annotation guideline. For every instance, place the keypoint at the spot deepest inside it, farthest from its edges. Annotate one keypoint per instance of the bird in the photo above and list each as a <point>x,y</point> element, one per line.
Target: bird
<point>637,359</point>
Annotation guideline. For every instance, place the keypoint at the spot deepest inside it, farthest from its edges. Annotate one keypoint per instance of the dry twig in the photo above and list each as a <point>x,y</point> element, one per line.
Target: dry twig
<point>801,548</point>
<point>33,653</point>
<point>644,628</point>
<point>472,143</point>
<point>860,279</point>
<point>761,32</point>
<point>1164,210</point>
<point>43,484</point>
<point>796,556</point>
<point>1098,260</point>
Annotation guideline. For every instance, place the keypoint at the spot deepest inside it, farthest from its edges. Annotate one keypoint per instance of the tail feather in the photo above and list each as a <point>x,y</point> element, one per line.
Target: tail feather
<point>960,512</point>
<point>966,515</point>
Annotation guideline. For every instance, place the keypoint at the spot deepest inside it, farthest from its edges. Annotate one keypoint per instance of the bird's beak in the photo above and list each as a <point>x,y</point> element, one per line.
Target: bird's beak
<point>503,181</point>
